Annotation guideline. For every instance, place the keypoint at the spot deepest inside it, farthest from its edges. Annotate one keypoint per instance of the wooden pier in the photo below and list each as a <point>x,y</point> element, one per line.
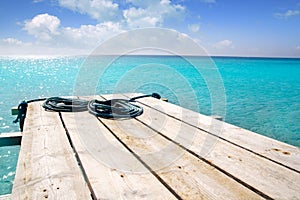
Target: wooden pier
<point>168,152</point>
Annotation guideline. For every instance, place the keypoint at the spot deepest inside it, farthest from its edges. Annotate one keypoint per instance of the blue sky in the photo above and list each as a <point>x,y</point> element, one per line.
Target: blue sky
<point>221,27</point>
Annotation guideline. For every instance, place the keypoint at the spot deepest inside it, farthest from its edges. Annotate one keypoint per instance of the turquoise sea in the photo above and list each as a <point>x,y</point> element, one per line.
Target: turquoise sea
<point>259,94</point>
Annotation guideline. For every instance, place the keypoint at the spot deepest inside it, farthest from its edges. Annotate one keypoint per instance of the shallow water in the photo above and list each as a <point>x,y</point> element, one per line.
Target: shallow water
<point>8,162</point>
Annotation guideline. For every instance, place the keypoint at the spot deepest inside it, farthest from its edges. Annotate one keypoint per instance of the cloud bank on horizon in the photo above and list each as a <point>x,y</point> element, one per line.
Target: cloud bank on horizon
<point>76,27</point>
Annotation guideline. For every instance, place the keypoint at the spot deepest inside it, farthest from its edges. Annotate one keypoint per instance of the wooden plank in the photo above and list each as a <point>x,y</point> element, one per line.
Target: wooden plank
<point>5,197</point>
<point>262,174</point>
<point>271,149</point>
<point>8,139</point>
<point>112,171</point>
<point>188,176</point>
<point>47,167</point>
<point>12,134</point>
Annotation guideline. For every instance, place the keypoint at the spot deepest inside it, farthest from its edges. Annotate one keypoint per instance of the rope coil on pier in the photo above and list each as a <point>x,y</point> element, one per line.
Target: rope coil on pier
<point>118,108</point>
<point>115,108</point>
<point>59,104</point>
<point>110,109</point>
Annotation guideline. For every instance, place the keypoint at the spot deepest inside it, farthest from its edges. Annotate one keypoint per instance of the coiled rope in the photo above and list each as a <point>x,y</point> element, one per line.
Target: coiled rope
<point>59,104</point>
<point>114,108</point>
<point>117,108</point>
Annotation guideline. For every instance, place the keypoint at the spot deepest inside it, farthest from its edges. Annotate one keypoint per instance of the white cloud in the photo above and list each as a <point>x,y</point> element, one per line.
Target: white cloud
<point>113,19</point>
<point>223,44</point>
<point>138,17</point>
<point>13,46</point>
<point>138,13</point>
<point>298,47</point>
<point>89,36</point>
<point>11,42</point>
<point>101,10</point>
<point>46,28</point>
<point>287,14</point>
<point>151,13</point>
<point>194,27</point>
<point>43,26</point>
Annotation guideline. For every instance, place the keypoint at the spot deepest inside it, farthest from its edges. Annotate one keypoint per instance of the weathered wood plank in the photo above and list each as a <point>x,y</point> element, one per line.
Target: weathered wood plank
<point>5,197</point>
<point>266,176</point>
<point>188,176</point>
<point>12,134</point>
<point>113,172</point>
<point>277,151</point>
<point>47,167</point>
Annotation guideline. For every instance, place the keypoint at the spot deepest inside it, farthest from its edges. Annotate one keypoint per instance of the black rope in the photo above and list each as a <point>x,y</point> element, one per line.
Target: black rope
<point>117,108</point>
<point>114,108</point>
<point>154,95</point>
<point>59,104</point>
<point>35,100</point>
